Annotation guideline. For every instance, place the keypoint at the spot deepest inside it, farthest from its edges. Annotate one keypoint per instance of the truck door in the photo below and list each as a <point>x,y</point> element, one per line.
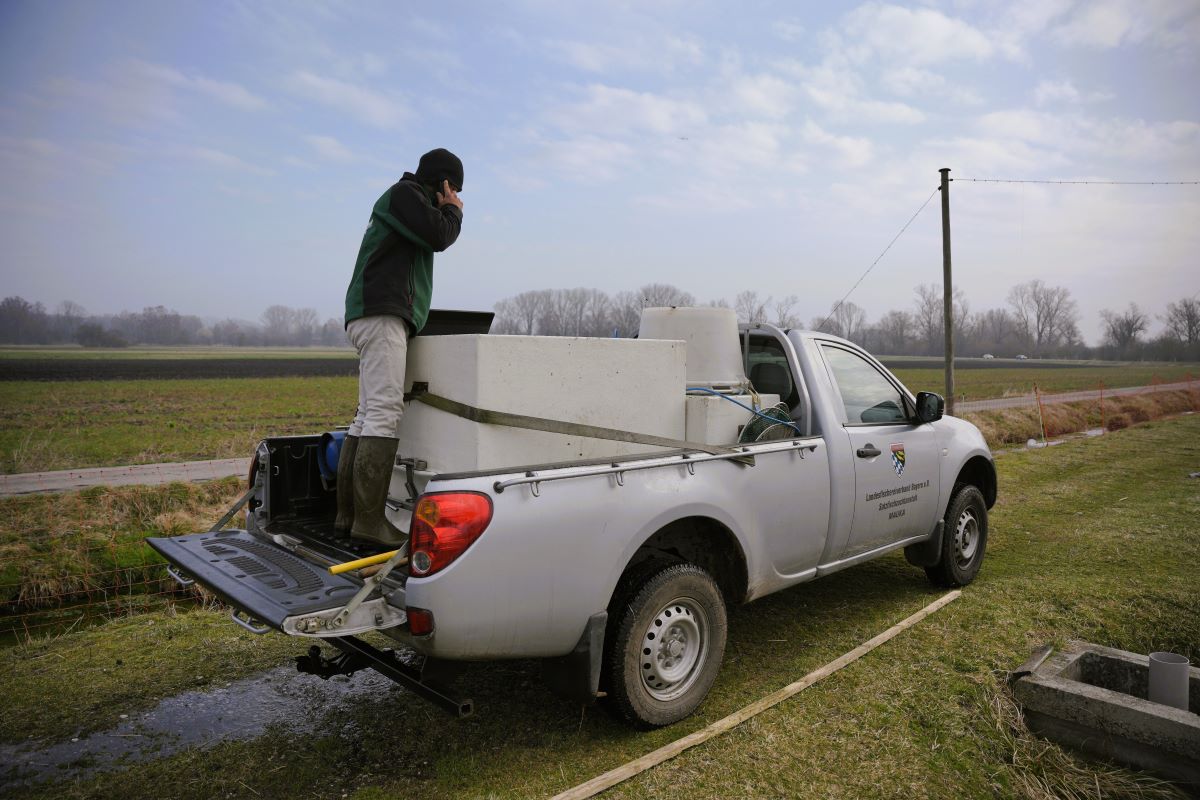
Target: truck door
<point>896,461</point>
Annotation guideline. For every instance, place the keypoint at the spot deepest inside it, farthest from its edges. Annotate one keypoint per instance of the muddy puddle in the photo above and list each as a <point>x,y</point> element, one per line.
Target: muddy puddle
<point>240,710</point>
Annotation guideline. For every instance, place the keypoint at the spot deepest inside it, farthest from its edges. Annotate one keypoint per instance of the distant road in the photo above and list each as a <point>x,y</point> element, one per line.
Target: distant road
<point>1069,397</point>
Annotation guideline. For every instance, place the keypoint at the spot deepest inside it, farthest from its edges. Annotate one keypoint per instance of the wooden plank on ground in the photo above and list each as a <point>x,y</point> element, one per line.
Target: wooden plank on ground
<point>667,752</point>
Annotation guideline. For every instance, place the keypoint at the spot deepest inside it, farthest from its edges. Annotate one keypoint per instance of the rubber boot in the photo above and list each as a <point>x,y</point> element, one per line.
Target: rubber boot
<point>345,485</point>
<point>373,465</point>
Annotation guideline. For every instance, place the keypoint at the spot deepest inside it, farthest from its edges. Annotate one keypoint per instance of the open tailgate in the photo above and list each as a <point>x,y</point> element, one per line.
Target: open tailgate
<point>273,585</point>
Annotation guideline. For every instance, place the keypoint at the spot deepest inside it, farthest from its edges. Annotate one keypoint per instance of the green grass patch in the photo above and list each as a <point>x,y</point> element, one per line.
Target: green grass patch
<point>78,683</point>
<point>185,353</point>
<point>985,384</point>
<point>1094,539</point>
<point>72,555</point>
<point>66,425</point>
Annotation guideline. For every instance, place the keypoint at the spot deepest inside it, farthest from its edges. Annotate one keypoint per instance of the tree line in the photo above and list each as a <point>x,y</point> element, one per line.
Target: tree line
<point>22,322</point>
<point>1037,320</point>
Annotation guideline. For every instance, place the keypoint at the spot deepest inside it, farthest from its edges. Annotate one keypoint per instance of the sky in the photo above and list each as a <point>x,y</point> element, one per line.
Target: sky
<point>220,157</point>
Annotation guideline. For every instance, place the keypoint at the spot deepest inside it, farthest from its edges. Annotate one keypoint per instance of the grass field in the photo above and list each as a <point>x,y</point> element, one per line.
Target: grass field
<point>61,425</point>
<point>49,425</point>
<point>184,353</point>
<point>1092,539</point>
<point>983,384</point>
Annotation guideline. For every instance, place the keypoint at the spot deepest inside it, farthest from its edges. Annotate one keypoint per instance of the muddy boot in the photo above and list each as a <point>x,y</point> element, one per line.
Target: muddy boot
<point>345,485</point>
<point>373,465</point>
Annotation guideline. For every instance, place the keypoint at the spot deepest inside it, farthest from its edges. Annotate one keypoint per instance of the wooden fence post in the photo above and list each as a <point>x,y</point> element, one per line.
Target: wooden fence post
<point>1041,412</point>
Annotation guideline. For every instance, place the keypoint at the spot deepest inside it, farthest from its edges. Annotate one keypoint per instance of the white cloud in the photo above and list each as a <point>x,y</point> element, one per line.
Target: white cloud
<point>838,89</point>
<point>217,158</point>
<point>918,36</point>
<point>765,94</point>
<point>614,110</point>
<point>330,148</point>
<point>588,159</point>
<point>1112,23</point>
<point>788,30</point>
<point>231,94</point>
<point>656,54</point>
<point>853,151</point>
<point>366,105</point>
<point>1074,136</point>
<point>1058,92</point>
<point>917,82</point>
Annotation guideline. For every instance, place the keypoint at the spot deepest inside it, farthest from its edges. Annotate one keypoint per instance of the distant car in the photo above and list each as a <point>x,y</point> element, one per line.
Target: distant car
<point>1022,357</point>
<point>988,355</point>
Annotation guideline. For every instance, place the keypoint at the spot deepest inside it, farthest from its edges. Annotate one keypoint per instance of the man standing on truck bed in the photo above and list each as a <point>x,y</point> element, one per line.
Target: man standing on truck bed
<point>387,303</point>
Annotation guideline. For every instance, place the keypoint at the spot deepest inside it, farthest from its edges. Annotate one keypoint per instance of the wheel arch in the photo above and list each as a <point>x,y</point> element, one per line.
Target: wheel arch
<point>979,472</point>
<point>703,541</point>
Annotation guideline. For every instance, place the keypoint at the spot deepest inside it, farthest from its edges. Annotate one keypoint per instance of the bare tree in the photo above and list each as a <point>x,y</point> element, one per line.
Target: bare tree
<point>304,322</point>
<point>1121,329</point>
<point>928,315</point>
<point>597,314</point>
<point>749,308</point>
<point>1183,320</point>
<point>655,295</point>
<point>896,330</point>
<point>1045,315</point>
<point>626,313</point>
<point>995,328</point>
<point>846,319</point>
<point>785,316</point>
<point>277,324</point>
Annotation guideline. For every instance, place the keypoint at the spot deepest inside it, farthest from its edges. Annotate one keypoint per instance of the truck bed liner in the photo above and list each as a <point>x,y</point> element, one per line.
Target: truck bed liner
<point>258,577</point>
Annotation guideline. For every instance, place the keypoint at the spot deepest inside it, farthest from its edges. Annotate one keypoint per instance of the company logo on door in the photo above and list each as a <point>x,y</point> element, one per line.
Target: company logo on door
<point>898,458</point>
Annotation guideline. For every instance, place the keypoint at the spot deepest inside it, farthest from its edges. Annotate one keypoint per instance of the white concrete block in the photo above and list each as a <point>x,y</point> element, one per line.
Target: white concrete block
<point>714,420</point>
<point>627,384</point>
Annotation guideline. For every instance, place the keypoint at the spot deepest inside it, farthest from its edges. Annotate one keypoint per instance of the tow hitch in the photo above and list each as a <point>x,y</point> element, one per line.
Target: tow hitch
<point>357,654</point>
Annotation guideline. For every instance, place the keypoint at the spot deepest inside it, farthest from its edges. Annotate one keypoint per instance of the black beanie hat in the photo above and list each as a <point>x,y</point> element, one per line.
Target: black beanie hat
<point>439,165</point>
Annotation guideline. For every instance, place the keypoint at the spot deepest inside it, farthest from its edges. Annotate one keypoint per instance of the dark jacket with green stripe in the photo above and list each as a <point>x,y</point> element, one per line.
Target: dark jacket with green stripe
<point>394,271</point>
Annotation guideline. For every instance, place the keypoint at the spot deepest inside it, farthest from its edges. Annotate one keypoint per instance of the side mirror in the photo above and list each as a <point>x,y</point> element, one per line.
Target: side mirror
<point>930,407</point>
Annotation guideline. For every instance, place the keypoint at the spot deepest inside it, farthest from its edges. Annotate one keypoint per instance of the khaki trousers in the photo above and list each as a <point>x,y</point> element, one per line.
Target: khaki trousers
<point>382,344</point>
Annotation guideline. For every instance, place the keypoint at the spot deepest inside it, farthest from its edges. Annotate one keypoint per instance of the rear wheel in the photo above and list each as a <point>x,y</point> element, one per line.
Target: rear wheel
<point>964,539</point>
<point>667,647</point>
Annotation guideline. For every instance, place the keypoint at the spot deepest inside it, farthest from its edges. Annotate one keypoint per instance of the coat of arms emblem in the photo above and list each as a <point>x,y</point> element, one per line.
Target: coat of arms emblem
<point>898,458</point>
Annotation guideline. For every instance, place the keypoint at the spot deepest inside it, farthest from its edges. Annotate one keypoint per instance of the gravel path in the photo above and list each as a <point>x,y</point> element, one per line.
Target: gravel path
<point>143,474</point>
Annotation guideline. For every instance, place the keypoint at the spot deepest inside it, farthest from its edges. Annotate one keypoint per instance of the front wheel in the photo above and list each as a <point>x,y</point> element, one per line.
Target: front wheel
<point>667,648</point>
<point>964,538</point>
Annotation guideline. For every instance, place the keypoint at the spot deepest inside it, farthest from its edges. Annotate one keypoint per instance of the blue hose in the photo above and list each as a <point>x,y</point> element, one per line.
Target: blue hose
<point>753,411</point>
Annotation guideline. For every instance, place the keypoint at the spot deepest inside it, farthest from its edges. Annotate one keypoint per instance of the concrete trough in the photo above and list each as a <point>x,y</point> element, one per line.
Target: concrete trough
<point>1093,699</point>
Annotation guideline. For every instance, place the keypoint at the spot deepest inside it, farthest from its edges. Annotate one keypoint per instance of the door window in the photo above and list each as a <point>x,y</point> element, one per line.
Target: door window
<point>869,398</point>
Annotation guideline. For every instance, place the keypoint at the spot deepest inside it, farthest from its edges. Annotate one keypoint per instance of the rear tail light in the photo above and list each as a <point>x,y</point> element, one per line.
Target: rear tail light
<point>444,525</point>
<point>420,621</point>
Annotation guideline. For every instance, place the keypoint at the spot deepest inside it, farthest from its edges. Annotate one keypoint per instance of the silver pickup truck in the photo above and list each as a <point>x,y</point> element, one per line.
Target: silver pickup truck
<point>616,572</point>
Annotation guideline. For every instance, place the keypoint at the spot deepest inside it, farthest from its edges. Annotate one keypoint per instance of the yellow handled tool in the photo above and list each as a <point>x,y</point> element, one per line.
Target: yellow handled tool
<point>369,561</point>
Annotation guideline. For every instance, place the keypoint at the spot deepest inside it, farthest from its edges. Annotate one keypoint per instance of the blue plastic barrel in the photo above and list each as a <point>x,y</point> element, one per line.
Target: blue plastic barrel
<point>328,453</point>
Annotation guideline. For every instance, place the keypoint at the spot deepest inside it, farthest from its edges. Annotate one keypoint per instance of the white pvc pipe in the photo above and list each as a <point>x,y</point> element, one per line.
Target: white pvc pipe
<point>1169,680</point>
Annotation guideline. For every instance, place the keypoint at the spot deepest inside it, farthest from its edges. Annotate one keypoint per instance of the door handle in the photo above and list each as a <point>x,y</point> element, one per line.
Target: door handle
<point>870,451</point>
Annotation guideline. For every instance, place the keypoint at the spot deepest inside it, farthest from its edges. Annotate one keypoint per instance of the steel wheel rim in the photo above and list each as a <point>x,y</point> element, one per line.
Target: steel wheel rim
<point>966,538</point>
<point>674,649</point>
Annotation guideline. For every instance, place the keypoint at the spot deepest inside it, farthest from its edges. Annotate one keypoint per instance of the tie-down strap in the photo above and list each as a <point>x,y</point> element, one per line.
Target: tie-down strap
<point>506,419</point>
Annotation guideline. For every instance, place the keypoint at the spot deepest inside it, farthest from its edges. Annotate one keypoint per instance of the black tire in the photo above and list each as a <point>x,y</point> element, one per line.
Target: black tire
<point>964,539</point>
<point>666,647</point>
